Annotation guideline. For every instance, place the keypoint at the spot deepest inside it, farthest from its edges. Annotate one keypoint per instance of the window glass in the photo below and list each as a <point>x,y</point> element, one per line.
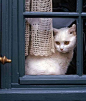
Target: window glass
<point>64,5</point>
<point>49,46</point>
<point>84,5</point>
<point>50,5</point>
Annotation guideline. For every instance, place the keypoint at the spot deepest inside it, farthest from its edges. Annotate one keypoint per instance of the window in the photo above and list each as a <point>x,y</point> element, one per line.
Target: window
<point>17,20</point>
<point>14,82</point>
<point>77,65</point>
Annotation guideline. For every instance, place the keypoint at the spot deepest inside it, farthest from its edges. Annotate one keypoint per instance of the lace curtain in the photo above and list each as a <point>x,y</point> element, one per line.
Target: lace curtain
<point>39,31</point>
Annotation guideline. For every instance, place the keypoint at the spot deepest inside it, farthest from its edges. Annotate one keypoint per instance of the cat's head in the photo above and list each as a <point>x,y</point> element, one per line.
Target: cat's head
<point>65,39</point>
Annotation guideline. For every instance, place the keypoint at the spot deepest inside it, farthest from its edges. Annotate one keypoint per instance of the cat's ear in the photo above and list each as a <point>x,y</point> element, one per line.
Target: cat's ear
<point>72,30</point>
<point>74,27</point>
<point>55,31</point>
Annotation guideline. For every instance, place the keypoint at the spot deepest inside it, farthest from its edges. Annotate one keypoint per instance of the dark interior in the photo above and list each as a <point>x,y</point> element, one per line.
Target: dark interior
<point>84,5</point>
<point>64,5</point>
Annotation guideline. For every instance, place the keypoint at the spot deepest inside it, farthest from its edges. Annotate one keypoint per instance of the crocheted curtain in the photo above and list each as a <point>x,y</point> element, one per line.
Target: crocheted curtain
<point>39,31</point>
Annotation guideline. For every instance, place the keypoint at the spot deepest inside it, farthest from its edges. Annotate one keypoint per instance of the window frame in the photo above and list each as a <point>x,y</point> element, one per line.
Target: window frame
<point>13,47</point>
<point>13,43</point>
<point>61,79</point>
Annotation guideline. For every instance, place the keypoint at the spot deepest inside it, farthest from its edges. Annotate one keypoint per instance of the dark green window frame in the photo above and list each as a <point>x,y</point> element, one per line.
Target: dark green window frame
<point>13,29</point>
<point>36,88</point>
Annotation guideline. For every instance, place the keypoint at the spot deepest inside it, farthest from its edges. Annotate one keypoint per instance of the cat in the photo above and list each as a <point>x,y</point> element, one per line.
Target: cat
<point>58,62</point>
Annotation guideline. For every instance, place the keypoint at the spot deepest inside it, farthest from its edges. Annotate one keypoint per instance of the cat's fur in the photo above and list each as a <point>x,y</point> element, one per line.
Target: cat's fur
<point>57,63</point>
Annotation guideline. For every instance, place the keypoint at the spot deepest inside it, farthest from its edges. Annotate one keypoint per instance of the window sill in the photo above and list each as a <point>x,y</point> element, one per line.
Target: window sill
<point>53,79</point>
<point>48,94</point>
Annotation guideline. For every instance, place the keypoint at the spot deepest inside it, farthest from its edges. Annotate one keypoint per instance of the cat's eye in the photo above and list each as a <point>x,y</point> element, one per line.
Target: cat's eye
<point>66,42</point>
<point>71,32</point>
<point>58,43</point>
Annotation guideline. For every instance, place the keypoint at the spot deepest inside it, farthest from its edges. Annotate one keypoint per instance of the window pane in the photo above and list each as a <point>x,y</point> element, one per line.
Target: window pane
<point>49,46</point>
<point>84,42</point>
<point>84,5</point>
<point>64,5</point>
<point>50,5</point>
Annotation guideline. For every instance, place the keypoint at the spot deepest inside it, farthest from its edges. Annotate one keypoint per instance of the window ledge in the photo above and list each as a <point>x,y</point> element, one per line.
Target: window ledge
<point>43,94</point>
<point>52,79</point>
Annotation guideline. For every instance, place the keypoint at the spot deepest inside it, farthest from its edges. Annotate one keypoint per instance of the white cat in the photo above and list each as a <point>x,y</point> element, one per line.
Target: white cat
<point>56,64</point>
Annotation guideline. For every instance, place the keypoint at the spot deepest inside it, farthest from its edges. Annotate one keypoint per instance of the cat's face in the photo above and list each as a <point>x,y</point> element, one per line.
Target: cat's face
<point>65,39</point>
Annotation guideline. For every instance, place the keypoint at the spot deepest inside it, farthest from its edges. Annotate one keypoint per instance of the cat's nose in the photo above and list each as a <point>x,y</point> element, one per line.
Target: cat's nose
<point>61,49</point>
